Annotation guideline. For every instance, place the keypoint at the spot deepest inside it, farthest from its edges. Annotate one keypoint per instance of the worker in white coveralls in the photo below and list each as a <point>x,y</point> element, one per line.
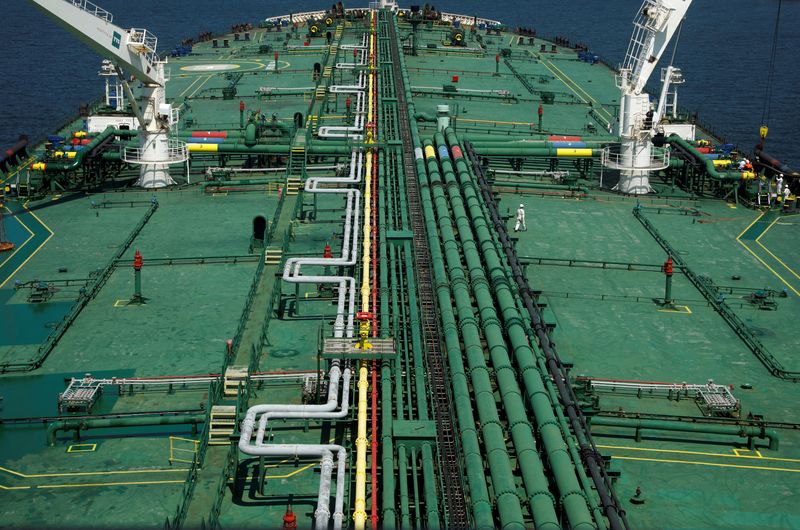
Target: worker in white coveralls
<point>520,218</point>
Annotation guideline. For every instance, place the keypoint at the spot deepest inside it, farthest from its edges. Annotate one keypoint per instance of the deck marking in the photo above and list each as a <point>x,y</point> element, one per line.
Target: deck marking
<point>82,448</point>
<point>35,251</point>
<point>90,473</point>
<point>572,85</point>
<point>758,240</point>
<point>699,453</point>
<point>24,243</point>
<point>22,166</point>
<point>679,309</point>
<point>100,484</point>
<point>738,238</point>
<point>712,464</point>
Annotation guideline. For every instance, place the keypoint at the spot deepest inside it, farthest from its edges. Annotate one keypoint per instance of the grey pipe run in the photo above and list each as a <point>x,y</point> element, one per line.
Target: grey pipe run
<point>591,457</point>
<point>742,431</point>
<point>327,411</point>
<point>108,423</point>
<point>542,502</point>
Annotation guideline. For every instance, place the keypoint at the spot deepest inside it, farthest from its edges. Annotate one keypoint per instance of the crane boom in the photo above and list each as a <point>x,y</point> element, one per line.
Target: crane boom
<point>653,28</point>
<point>133,49</point>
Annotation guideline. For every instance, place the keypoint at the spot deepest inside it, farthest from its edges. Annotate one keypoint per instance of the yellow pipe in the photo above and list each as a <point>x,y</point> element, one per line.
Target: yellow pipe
<point>564,151</point>
<point>202,147</point>
<point>360,515</point>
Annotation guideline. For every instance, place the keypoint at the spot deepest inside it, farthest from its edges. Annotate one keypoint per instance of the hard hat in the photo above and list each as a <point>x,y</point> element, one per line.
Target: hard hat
<point>780,175</point>
<point>522,206</point>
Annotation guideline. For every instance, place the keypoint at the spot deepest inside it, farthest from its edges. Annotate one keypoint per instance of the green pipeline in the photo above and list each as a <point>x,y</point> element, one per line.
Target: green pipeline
<point>742,431</point>
<point>574,500</point>
<point>534,478</point>
<point>711,171</point>
<point>474,464</point>
<point>76,162</point>
<point>492,149</point>
<point>108,423</point>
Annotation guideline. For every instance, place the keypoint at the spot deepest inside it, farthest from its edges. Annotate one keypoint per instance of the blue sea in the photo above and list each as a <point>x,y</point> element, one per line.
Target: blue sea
<point>724,51</point>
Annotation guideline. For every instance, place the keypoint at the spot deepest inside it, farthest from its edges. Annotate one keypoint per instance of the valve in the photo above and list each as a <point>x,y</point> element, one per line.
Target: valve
<point>365,317</point>
<point>667,267</point>
<point>327,252</point>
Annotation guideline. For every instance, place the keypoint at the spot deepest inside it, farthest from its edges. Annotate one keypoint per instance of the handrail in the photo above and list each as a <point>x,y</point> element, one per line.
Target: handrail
<point>707,289</point>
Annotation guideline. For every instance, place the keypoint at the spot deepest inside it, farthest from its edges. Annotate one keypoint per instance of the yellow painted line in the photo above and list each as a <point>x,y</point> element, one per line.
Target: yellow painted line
<point>14,487</point>
<point>758,240</point>
<point>711,464</point>
<point>17,249</point>
<point>293,473</point>
<point>764,263</point>
<point>196,79</point>
<point>22,166</point>
<point>101,484</point>
<point>572,85</point>
<point>699,453</point>
<point>199,86</point>
<point>684,311</point>
<point>35,251</point>
<point>757,452</point>
<point>91,473</point>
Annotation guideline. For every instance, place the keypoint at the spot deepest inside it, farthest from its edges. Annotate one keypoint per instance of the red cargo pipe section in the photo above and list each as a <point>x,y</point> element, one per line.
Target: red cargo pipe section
<point>209,134</point>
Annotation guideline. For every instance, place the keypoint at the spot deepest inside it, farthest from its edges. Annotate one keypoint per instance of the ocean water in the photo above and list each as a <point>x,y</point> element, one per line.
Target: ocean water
<point>724,51</point>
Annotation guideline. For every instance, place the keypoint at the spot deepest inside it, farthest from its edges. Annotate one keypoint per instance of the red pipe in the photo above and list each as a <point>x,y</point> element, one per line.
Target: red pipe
<point>209,134</point>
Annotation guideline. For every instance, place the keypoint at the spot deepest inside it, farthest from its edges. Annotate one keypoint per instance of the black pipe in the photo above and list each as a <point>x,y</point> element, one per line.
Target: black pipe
<point>777,165</point>
<point>14,154</point>
<point>589,453</point>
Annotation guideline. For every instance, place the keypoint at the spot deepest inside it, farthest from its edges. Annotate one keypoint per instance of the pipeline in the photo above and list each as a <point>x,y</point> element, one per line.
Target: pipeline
<point>591,457</point>
<point>292,274</point>
<point>536,483</point>
<point>499,460</point>
<point>232,148</point>
<point>742,431</point>
<point>776,164</point>
<point>360,502</point>
<point>79,156</point>
<point>14,154</point>
<point>710,168</point>
<point>108,423</point>
<point>545,152</point>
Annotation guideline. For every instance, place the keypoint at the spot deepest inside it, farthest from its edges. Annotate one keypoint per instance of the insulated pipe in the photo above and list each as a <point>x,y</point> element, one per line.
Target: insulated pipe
<point>498,459</point>
<point>109,423</point>
<point>536,484</point>
<point>322,513</point>
<point>742,431</point>
<point>572,495</point>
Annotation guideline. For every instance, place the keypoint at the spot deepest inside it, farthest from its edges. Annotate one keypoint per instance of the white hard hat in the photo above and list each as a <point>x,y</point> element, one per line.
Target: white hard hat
<point>522,206</point>
<point>780,175</point>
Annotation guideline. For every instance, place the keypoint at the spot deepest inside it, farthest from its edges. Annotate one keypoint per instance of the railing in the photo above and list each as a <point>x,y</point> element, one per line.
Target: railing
<point>709,292</point>
<point>93,9</point>
<point>143,41</point>
<point>176,153</point>
<point>231,463</point>
<point>86,296</point>
<point>611,158</point>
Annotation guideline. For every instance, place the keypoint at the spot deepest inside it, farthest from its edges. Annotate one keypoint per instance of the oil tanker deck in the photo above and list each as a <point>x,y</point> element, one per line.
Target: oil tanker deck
<point>394,268</point>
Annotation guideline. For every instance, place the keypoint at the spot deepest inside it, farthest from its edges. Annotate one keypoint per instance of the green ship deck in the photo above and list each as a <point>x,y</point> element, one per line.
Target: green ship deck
<point>467,425</point>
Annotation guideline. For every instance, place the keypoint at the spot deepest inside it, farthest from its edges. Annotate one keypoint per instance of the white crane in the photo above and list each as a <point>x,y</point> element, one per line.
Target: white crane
<point>134,51</point>
<point>653,28</point>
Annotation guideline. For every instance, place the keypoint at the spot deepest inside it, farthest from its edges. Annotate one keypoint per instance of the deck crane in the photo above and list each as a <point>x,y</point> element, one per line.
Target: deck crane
<point>653,28</point>
<point>134,52</point>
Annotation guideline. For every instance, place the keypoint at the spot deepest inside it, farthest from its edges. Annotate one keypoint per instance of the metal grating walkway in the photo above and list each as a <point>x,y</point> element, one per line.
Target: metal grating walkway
<point>454,501</point>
